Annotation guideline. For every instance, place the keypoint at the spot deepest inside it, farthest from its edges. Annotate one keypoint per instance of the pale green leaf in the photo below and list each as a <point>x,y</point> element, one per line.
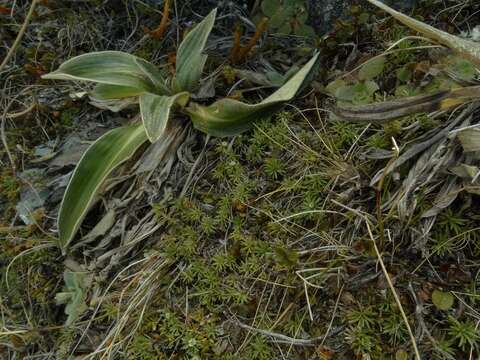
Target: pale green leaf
<point>74,294</point>
<point>465,171</point>
<point>372,68</point>
<point>112,68</point>
<point>442,300</point>
<point>333,86</point>
<point>155,111</point>
<point>101,158</point>
<point>108,92</point>
<point>154,75</point>
<point>190,58</point>
<point>229,117</point>
<point>468,49</point>
<point>359,93</point>
<point>470,139</point>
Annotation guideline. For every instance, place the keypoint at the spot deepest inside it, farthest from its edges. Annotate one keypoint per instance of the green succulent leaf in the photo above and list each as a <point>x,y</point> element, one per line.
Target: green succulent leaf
<point>468,49</point>
<point>155,111</point>
<point>442,300</point>
<point>100,159</point>
<point>372,68</point>
<point>190,57</point>
<point>111,68</point>
<point>229,117</point>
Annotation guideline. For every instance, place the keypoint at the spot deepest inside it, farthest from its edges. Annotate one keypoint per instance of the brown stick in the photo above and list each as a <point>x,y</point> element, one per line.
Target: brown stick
<point>162,27</point>
<point>237,36</point>
<point>262,26</point>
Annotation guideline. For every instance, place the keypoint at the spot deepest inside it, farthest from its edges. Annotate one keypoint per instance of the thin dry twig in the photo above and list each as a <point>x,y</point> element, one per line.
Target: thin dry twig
<point>287,339</point>
<point>394,293</point>
<point>19,35</point>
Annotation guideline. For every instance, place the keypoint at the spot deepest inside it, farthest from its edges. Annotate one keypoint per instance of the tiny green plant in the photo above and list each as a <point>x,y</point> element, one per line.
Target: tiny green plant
<point>120,75</point>
<point>287,17</point>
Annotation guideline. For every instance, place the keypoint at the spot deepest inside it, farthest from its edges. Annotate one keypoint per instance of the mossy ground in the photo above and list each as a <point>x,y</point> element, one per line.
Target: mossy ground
<point>267,254</point>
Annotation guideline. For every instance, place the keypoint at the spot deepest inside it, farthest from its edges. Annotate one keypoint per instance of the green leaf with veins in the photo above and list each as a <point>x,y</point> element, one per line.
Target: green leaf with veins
<point>112,68</point>
<point>100,159</point>
<point>155,112</point>
<point>228,117</point>
<point>190,58</point>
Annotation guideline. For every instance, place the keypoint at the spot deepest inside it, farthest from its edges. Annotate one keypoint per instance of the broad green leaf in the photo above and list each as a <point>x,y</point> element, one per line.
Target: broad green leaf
<point>372,68</point>
<point>112,68</point>
<point>190,57</point>
<point>359,93</point>
<point>155,111</point>
<point>107,92</point>
<point>332,87</point>
<point>468,49</point>
<point>154,75</point>
<point>101,158</point>
<point>229,117</point>
<point>442,300</point>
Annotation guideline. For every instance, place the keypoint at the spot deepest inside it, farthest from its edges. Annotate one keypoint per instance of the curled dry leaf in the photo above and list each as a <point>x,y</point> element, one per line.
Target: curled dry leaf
<point>389,110</point>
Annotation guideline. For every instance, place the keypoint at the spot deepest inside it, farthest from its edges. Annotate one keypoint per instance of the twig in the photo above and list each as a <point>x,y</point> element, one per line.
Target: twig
<point>237,44</point>
<point>240,53</point>
<point>19,36</point>
<point>287,339</point>
<point>160,30</point>
<point>333,315</point>
<point>31,107</point>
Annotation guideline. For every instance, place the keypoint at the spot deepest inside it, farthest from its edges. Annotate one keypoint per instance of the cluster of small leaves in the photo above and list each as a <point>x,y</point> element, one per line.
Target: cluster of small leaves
<point>287,17</point>
<point>366,322</point>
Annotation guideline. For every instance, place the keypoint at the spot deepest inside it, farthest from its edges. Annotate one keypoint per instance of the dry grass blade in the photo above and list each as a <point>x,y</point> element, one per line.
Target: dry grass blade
<point>394,293</point>
<point>468,49</point>
<point>389,110</point>
<point>19,36</point>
